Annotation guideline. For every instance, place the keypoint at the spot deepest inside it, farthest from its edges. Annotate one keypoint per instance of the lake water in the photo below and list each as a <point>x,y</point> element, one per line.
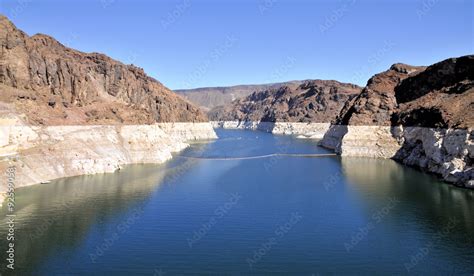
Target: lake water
<point>279,215</point>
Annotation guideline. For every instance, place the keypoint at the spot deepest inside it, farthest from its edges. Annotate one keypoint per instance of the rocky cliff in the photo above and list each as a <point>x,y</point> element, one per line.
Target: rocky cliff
<point>210,97</point>
<point>43,153</point>
<point>420,116</point>
<point>316,101</point>
<point>65,113</point>
<point>41,76</point>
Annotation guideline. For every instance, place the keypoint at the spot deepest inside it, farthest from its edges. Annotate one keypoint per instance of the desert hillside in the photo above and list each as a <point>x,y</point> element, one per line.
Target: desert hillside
<point>440,96</point>
<point>317,101</point>
<point>210,97</point>
<point>54,85</point>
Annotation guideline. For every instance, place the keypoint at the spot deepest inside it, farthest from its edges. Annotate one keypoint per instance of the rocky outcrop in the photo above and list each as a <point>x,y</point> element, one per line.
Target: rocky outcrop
<point>41,76</point>
<point>209,97</point>
<point>446,152</point>
<point>420,116</point>
<point>317,101</point>
<point>377,102</point>
<point>65,113</point>
<point>442,96</point>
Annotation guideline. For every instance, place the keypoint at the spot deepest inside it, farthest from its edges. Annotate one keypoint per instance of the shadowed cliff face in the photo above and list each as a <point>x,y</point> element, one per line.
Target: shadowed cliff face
<point>317,101</point>
<point>376,103</point>
<point>441,95</point>
<point>53,84</point>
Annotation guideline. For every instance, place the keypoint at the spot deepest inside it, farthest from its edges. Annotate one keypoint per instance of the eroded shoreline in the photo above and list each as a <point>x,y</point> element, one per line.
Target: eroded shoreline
<point>44,153</point>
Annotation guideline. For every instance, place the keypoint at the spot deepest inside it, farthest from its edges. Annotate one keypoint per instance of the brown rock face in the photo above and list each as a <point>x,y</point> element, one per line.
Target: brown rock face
<point>377,102</point>
<point>210,97</point>
<point>441,95</point>
<point>53,84</point>
<point>317,101</point>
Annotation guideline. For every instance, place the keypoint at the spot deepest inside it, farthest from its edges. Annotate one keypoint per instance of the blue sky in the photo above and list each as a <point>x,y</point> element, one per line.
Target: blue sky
<point>191,43</point>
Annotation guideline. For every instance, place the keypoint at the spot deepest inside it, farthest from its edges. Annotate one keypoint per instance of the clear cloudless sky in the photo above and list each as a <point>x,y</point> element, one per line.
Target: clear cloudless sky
<point>192,43</point>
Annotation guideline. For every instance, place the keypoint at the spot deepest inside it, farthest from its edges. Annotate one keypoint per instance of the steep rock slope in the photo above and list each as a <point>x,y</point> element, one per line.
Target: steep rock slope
<point>53,85</point>
<point>376,103</point>
<point>65,113</point>
<point>316,101</point>
<point>440,96</point>
<point>420,116</point>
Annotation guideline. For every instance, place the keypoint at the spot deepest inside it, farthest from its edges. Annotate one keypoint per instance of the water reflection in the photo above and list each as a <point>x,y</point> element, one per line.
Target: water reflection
<point>424,199</point>
<point>60,224</point>
<point>63,211</point>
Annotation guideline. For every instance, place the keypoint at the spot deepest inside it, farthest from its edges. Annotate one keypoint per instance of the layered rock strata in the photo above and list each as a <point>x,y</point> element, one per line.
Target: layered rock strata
<point>43,153</point>
<point>419,116</point>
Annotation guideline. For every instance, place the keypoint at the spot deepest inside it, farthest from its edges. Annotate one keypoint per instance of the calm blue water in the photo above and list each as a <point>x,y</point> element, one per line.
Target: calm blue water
<point>279,215</point>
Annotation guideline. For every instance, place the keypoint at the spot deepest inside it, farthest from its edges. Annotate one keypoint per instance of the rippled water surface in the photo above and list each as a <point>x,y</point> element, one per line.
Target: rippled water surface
<point>279,215</point>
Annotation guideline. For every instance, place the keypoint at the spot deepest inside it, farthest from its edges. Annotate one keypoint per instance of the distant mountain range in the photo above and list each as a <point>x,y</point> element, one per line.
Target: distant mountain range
<point>311,101</point>
<point>440,95</point>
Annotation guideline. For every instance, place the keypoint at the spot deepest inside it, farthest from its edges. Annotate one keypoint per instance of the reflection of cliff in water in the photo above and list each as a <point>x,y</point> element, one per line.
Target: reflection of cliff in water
<point>53,217</point>
<point>422,194</point>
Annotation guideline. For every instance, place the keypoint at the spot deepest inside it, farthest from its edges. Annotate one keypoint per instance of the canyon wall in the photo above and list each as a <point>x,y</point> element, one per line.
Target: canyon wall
<point>56,85</point>
<point>420,116</point>
<point>64,112</point>
<point>445,152</point>
<point>43,153</point>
